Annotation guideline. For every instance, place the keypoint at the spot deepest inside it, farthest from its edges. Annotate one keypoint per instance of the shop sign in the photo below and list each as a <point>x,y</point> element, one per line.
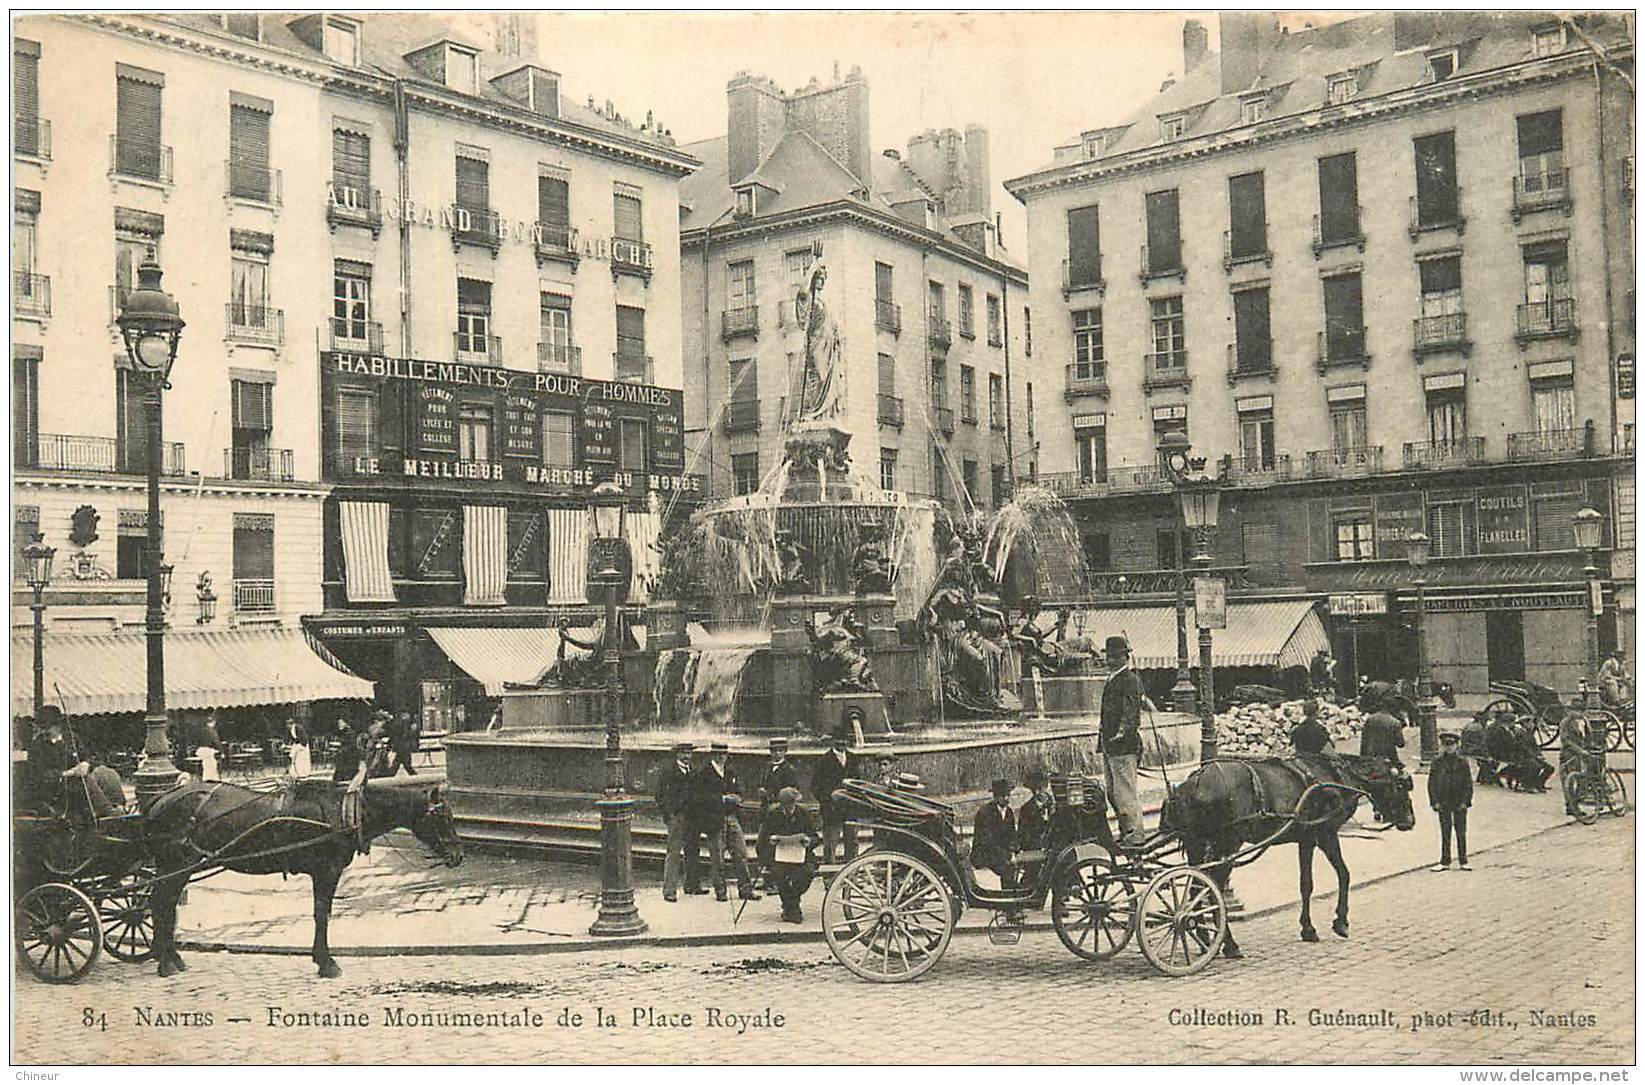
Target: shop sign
<point>1397,515</point>
<point>1565,600</point>
<point>1596,598</point>
<point>1625,376</point>
<point>379,629</point>
<point>1504,519</point>
<point>1210,603</point>
<point>1357,604</point>
<point>530,474</point>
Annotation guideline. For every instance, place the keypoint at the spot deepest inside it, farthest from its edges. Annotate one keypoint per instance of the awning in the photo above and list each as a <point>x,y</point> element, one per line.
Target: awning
<point>92,673</point>
<point>1275,634</point>
<point>518,656</point>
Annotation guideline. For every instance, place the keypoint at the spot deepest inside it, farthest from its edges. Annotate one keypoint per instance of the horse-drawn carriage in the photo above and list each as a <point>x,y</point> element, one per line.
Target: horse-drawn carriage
<point>1542,704</point>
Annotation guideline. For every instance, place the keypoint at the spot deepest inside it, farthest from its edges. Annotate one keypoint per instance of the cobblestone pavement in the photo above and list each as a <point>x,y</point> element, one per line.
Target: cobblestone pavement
<point>1545,925</point>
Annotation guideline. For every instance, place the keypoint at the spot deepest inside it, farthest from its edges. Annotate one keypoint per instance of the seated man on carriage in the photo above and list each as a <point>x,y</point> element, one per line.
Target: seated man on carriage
<point>63,782</point>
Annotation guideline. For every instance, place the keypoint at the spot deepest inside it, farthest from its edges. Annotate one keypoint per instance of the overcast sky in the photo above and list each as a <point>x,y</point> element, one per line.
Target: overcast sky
<point>1033,80</point>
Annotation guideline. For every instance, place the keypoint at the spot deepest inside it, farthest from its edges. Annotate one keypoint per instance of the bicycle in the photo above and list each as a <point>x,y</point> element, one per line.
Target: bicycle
<point>1595,789</point>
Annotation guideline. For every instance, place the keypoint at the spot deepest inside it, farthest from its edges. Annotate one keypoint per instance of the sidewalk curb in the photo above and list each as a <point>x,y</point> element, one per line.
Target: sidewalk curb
<point>587,943</point>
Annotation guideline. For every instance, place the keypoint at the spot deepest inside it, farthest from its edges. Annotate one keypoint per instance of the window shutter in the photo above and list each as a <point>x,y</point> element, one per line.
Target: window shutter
<point>1084,245</point>
<point>888,375</point>
<point>1553,516</point>
<point>1339,196</point>
<point>25,410</point>
<point>1247,214</point>
<point>631,325</point>
<point>1540,133</point>
<point>253,547</point>
<point>553,200</point>
<point>745,381</point>
<point>473,184</point>
<point>626,218</point>
<point>351,161</point>
<point>1441,276</point>
<point>248,152</point>
<point>1251,328</point>
<point>253,405</point>
<point>1436,170</point>
<point>130,425</point>
<point>356,419</point>
<point>137,127</point>
<point>1164,230</point>
<point>25,97</point>
<point>474,292</point>
<point>882,282</point>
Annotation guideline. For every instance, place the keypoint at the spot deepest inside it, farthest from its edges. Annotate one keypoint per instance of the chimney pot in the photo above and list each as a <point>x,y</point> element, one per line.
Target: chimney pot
<point>893,154</point>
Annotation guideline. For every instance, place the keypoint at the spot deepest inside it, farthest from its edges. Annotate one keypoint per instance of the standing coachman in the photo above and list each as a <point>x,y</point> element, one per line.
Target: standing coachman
<point>1122,739</point>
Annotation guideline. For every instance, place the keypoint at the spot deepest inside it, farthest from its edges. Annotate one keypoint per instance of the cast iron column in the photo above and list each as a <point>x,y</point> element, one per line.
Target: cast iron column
<point>1590,626</point>
<point>39,608</point>
<point>156,775</point>
<point>1207,687</point>
<point>619,915</point>
<point>1183,694</point>
<point>1428,726</point>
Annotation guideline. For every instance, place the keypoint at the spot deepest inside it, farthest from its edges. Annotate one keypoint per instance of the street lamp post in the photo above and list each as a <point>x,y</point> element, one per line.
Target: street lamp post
<point>1176,463</point>
<point>37,558</point>
<point>1416,554</point>
<point>151,327</point>
<point>1588,525</point>
<point>1200,499</point>
<point>610,570</point>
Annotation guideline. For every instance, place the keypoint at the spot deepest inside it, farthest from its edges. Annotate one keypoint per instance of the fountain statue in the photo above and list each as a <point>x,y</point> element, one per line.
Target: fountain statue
<point>839,664</point>
<point>818,392</point>
<point>870,567</point>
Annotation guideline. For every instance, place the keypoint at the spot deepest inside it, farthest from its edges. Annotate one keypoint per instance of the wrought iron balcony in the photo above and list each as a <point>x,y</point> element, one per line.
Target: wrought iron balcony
<point>30,295</point>
<point>741,416</point>
<point>1350,462</point>
<point>251,183</point>
<point>944,417</point>
<point>1250,250</point>
<point>634,368</point>
<point>258,324</point>
<point>1165,369</point>
<point>1462,452</point>
<point>1162,263</point>
<point>937,332</point>
<point>1147,478</point>
<point>1258,363</point>
<point>140,162</point>
<point>32,138</point>
<point>1342,346</point>
<point>890,411</point>
<point>1341,233</point>
<point>1546,191</point>
<point>1443,332</point>
<point>359,336</point>
<point>253,595</point>
<point>476,226</point>
<point>1087,379</point>
<point>995,338</point>
<point>1438,216</point>
<point>477,347</point>
<point>739,322</point>
<point>1552,319</point>
<point>1255,470</point>
<point>1086,278</point>
<point>968,414</point>
<point>67,452</point>
<point>560,358</point>
<point>350,205</point>
<point>630,257</point>
<point>1551,444</point>
<point>888,316</point>
<point>555,241</point>
<point>261,464</point>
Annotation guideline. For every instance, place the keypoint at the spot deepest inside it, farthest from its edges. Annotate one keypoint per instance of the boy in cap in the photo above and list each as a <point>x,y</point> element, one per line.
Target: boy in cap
<point>1450,791</point>
<point>715,798</point>
<point>788,819</point>
<point>673,789</point>
<point>994,836</point>
<point>831,771</point>
<point>1122,739</point>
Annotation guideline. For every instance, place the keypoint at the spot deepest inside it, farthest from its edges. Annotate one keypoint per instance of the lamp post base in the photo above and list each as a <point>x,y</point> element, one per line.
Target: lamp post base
<point>1428,729</point>
<point>1184,695</point>
<point>156,775</point>
<point>619,915</point>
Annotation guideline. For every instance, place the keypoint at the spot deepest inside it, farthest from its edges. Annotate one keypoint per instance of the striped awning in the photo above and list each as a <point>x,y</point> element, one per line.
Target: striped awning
<point>1271,634</point>
<point>94,673</point>
<point>365,551</point>
<point>519,656</point>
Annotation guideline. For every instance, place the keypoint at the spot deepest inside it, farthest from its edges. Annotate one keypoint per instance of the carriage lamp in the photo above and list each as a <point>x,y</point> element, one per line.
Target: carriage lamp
<point>1417,546</point>
<point>37,563</point>
<point>206,598</point>
<point>1588,525</point>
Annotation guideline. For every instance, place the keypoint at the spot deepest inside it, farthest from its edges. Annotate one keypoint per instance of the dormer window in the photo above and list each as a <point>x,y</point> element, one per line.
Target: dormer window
<point>745,201</point>
<point>1254,109</point>
<point>1173,126</point>
<point>1094,144</point>
<point>1548,40</point>
<point>462,69</point>
<point>1341,88</point>
<point>342,40</point>
<point>1442,65</point>
<point>242,24</point>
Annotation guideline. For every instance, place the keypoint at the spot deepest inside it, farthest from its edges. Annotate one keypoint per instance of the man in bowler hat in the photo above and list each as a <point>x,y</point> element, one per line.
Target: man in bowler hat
<point>831,771</point>
<point>1034,818</point>
<point>673,791</point>
<point>994,836</point>
<point>779,773</point>
<point>1122,739</point>
<point>714,801</point>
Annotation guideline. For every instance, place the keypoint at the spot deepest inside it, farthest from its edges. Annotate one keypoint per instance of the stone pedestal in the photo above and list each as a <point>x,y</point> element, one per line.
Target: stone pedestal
<point>789,617</point>
<point>665,627</point>
<point>1062,696</point>
<point>878,615</point>
<point>833,707</point>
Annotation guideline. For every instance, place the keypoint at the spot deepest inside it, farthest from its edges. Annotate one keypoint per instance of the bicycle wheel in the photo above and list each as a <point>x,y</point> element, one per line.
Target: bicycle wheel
<point>1580,798</point>
<point>1616,793</point>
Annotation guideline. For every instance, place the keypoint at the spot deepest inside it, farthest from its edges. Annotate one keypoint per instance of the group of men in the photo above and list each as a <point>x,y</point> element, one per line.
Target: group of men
<point>381,748</point>
<point>1011,842</point>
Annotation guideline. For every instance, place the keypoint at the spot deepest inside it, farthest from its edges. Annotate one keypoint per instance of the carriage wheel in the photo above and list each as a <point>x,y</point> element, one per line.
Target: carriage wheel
<point>887,917</point>
<point>125,904</point>
<point>1628,733</point>
<point>1579,796</point>
<point>57,932</point>
<point>67,849</point>
<point>1547,726</point>
<point>1612,724</point>
<point>1092,909</point>
<point>1181,920</point>
<point>1616,793</point>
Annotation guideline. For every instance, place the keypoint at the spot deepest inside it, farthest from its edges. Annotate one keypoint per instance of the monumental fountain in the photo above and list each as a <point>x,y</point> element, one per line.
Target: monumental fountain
<point>820,602</point>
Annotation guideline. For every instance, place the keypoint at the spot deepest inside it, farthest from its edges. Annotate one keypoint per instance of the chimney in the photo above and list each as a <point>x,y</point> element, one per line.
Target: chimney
<point>925,158</point>
<point>754,123</point>
<point>977,197</point>
<point>836,116</point>
<point>1196,42</point>
<point>1249,38</point>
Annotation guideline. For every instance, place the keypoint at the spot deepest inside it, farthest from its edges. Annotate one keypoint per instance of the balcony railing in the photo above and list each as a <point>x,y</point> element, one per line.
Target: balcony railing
<point>1341,346</point>
<point>30,295</point>
<point>32,138</point>
<point>258,185</point>
<point>1086,278</point>
<point>1344,462</point>
<point>995,336</point>
<point>261,464</point>
<point>253,595</point>
<point>349,205</point>
<point>66,452</point>
<point>888,316</point>
<point>1087,379</point>
<point>634,368</point>
<point>1541,192</point>
<point>968,414</point>
<point>944,417</point>
<point>1438,216</point>
<point>1551,444</point>
<point>890,411</point>
<point>1342,233</point>
<point>477,347</point>
<point>1445,331</point>
<point>258,324</point>
<point>1553,319</point>
<point>1256,470</point>
<point>739,322</point>
<point>1258,362</point>
<point>937,332</point>
<point>1157,264</point>
<point>1458,453</point>
<point>1165,369</point>
<point>1163,581</point>
<point>359,336</point>
<point>140,162</point>
<point>1250,250</point>
<point>630,257</point>
<point>742,416</point>
<point>1140,479</point>
<point>560,358</point>
<point>555,241</point>
<point>476,226</point>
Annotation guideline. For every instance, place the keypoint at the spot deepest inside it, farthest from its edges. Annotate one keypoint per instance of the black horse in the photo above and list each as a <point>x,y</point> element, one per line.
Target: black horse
<point>1229,803</point>
<point>298,829</point>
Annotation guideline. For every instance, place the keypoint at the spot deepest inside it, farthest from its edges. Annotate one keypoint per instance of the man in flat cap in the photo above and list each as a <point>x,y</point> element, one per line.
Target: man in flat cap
<point>830,772</point>
<point>715,798</point>
<point>994,836</point>
<point>673,790</point>
<point>787,836</point>
<point>1122,739</point>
